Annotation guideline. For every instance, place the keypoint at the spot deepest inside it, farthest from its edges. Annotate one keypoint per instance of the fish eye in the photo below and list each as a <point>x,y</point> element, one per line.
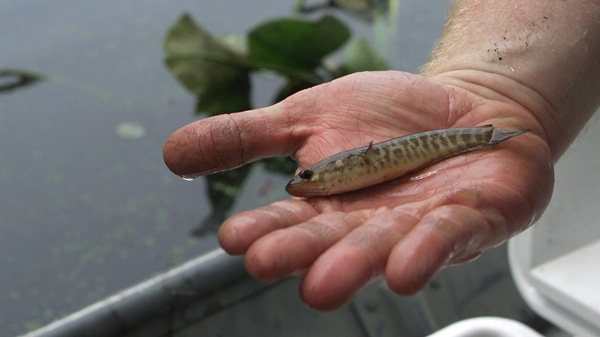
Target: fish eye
<point>306,174</point>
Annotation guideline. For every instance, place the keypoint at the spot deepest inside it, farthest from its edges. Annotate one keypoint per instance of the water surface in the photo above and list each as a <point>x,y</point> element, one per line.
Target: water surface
<point>88,208</point>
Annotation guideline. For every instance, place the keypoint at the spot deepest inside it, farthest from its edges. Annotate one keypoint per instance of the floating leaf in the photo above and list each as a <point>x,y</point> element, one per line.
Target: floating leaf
<point>206,67</point>
<point>130,130</point>
<point>296,44</point>
<point>12,79</point>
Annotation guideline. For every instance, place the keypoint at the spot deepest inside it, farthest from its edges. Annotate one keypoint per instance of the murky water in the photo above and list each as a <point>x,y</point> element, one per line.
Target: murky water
<point>87,206</point>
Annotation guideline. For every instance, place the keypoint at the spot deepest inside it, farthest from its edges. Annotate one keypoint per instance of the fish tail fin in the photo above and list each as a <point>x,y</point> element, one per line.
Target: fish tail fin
<point>500,135</point>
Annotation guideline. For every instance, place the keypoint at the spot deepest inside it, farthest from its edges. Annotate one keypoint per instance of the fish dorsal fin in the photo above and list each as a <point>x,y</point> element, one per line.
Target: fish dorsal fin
<point>370,155</point>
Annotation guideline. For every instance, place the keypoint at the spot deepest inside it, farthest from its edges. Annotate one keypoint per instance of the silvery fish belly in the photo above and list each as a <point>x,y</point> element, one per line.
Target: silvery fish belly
<point>377,163</point>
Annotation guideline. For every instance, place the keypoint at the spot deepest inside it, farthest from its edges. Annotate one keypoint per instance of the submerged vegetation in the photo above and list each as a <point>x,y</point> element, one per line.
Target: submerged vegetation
<point>303,52</point>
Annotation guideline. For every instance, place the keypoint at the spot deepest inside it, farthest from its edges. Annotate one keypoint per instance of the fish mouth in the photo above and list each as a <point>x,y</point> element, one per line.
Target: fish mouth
<point>299,187</point>
<point>294,187</point>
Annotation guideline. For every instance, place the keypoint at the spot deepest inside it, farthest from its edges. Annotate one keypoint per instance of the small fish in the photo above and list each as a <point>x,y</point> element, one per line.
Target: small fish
<point>377,163</point>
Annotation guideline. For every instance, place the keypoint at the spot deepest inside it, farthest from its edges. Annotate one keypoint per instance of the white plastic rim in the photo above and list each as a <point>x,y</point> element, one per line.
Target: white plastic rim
<point>519,256</point>
<point>487,327</point>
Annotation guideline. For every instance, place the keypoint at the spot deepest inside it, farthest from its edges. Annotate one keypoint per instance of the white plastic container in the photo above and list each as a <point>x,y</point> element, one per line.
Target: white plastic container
<point>487,327</point>
<point>556,263</point>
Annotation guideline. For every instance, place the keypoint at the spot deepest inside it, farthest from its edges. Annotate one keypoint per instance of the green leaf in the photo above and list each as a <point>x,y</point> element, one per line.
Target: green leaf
<point>207,68</point>
<point>296,44</point>
<point>365,10</point>
<point>281,165</point>
<point>291,87</point>
<point>219,100</point>
<point>360,56</point>
<point>222,189</point>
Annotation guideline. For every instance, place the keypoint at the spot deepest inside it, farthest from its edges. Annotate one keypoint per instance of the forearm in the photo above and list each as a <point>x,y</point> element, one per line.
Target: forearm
<point>542,55</point>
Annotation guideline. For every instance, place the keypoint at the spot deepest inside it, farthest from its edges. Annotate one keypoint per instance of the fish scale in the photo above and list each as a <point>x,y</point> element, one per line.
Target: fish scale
<point>377,163</point>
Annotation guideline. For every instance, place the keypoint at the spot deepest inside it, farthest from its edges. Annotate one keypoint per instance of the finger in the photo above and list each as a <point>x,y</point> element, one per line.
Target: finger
<point>228,141</point>
<point>239,232</point>
<point>291,250</point>
<point>355,260</point>
<point>446,235</point>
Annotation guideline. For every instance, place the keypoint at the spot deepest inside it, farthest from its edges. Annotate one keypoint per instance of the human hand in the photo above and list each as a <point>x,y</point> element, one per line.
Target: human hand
<point>405,229</point>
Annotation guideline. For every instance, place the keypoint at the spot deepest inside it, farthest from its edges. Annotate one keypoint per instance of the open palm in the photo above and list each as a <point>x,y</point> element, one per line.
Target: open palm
<point>405,229</point>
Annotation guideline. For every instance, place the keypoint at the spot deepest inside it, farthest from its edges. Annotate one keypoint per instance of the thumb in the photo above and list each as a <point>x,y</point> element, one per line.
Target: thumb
<point>228,141</point>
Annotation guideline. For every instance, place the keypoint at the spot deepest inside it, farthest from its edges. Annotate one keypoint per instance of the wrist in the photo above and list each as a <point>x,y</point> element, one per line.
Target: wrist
<point>540,56</point>
<point>518,105</point>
